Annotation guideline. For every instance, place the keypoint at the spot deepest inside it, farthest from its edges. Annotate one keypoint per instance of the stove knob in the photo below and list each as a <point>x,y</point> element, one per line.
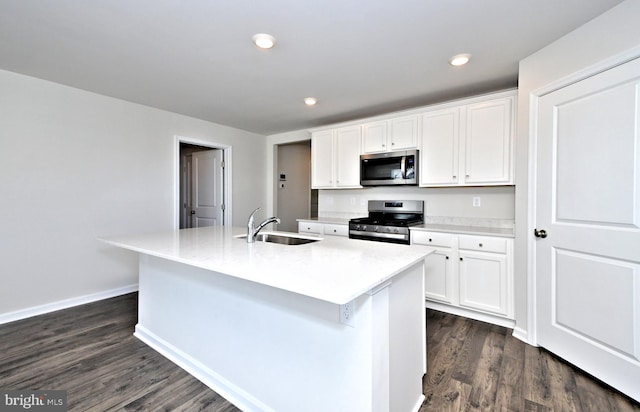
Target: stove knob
<point>376,229</point>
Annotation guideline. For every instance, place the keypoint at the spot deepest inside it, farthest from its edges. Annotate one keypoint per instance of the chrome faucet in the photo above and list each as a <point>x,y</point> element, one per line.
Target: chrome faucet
<point>252,230</point>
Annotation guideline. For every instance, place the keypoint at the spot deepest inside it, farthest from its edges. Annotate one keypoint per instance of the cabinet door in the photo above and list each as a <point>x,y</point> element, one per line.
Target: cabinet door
<point>322,159</point>
<point>404,133</point>
<point>484,281</point>
<point>439,151</point>
<point>374,137</point>
<point>439,276</point>
<point>488,141</point>
<point>347,156</point>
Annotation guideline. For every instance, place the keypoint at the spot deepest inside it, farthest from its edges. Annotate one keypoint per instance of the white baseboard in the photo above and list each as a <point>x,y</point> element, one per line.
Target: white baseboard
<point>522,335</point>
<point>213,380</point>
<point>471,314</point>
<point>65,304</point>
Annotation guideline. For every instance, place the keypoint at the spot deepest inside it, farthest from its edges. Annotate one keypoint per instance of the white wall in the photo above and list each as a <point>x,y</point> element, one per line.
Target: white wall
<point>75,166</point>
<point>614,32</point>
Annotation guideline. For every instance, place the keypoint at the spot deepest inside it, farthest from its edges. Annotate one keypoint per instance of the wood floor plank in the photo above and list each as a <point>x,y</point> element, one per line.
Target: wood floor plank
<point>510,386</point>
<point>486,376</point>
<point>469,355</point>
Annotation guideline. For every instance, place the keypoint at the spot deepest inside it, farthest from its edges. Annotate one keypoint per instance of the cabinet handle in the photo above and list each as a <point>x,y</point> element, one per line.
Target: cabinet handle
<point>460,259</point>
<point>430,240</point>
<point>480,244</point>
<point>334,231</point>
<point>393,144</point>
<point>455,177</point>
<point>467,176</point>
<point>446,257</point>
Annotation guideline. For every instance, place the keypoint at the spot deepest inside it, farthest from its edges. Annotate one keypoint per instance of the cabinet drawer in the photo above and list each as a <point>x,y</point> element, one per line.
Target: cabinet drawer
<point>336,230</point>
<point>419,237</point>
<point>310,227</point>
<point>486,244</point>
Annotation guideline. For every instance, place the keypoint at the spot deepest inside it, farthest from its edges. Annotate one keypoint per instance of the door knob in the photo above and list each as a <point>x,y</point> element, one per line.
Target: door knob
<point>540,233</point>
<point>193,212</point>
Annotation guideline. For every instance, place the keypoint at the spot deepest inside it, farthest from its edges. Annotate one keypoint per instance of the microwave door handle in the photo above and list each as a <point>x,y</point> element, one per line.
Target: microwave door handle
<point>403,167</point>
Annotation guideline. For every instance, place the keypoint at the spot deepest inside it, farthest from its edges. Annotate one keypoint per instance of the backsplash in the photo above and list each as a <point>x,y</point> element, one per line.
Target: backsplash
<point>470,221</point>
<point>447,205</point>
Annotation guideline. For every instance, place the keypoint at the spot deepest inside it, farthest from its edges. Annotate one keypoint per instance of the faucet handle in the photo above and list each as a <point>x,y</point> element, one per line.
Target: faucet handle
<point>253,213</point>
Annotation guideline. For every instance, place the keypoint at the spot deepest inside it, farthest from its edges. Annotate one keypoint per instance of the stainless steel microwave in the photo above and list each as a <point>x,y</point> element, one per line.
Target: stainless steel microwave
<point>389,169</point>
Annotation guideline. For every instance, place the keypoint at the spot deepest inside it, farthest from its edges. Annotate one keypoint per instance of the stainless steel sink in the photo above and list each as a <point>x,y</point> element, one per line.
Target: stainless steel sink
<point>283,240</point>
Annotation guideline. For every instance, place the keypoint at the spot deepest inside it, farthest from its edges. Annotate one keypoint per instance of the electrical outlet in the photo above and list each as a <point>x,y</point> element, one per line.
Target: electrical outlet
<point>347,314</point>
<point>476,201</point>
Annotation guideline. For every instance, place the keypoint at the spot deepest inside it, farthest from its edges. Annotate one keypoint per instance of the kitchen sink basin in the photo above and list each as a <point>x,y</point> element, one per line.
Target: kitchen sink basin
<point>281,239</point>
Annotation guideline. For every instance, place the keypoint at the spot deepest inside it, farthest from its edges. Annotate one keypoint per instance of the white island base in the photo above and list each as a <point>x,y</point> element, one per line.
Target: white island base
<point>268,349</point>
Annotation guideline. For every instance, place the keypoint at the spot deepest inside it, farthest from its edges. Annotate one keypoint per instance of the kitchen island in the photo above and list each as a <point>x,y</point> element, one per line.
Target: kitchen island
<point>337,324</point>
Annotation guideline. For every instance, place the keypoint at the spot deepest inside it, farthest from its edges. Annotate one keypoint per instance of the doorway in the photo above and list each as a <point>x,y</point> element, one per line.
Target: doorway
<point>295,199</point>
<point>203,184</point>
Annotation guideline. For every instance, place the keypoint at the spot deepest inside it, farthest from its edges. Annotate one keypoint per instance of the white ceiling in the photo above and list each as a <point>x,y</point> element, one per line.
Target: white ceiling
<point>358,57</point>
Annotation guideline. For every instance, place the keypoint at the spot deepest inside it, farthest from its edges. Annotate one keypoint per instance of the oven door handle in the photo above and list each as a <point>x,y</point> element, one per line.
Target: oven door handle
<point>376,234</point>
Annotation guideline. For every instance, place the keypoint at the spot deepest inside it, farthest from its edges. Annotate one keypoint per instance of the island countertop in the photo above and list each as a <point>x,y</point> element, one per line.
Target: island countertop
<point>334,269</point>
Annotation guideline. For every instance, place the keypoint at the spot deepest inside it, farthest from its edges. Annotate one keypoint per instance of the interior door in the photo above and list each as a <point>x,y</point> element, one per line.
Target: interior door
<point>588,225</point>
<point>207,188</point>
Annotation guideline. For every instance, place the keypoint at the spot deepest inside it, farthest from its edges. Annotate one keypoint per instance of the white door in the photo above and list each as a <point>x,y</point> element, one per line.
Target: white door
<point>588,204</point>
<point>207,187</point>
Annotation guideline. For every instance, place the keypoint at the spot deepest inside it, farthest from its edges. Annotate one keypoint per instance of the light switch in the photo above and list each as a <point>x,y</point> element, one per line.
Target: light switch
<point>476,201</point>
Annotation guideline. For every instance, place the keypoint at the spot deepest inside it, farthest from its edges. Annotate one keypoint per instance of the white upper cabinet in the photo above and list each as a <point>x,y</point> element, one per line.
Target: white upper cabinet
<point>463,143</point>
<point>322,159</point>
<point>396,134</point>
<point>440,146</point>
<point>488,142</point>
<point>469,144</point>
<point>335,158</point>
<point>347,156</point>
<point>375,137</point>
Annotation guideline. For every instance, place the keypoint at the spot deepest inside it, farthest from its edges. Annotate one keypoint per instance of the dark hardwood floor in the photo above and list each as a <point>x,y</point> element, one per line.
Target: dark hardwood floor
<point>90,352</point>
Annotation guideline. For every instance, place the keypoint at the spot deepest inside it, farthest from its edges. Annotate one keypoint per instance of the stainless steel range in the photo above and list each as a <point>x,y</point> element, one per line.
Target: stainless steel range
<point>388,221</point>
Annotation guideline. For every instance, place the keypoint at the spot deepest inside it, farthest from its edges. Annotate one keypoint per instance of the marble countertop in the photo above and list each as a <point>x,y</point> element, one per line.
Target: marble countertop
<point>466,230</point>
<point>335,269</point>
<point>328,220</point>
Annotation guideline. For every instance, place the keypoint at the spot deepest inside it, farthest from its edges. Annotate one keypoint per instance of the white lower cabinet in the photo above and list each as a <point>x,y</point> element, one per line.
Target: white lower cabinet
<point>318,228</point>
<point>468,272</point>
<point>439,276</point>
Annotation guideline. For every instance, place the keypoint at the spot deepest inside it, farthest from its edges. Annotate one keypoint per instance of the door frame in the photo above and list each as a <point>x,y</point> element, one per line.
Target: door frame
<point>534,97</point>
<point>226,179</point>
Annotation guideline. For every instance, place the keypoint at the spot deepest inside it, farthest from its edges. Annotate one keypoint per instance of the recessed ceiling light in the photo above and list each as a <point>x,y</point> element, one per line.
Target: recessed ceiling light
<point>310,101</point>
<point>264,41</point>
<point>460,59</point>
